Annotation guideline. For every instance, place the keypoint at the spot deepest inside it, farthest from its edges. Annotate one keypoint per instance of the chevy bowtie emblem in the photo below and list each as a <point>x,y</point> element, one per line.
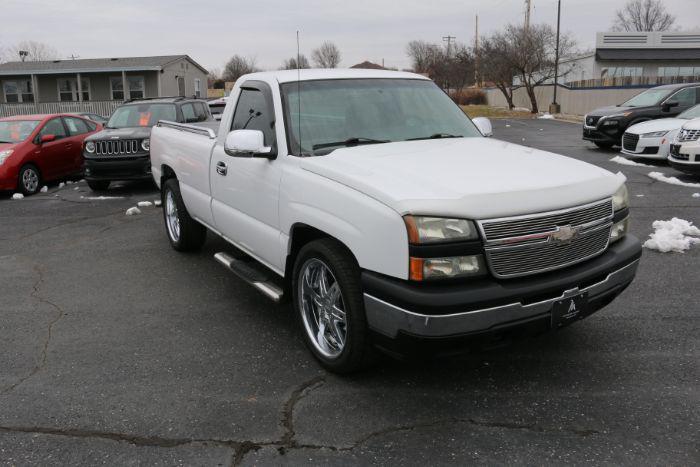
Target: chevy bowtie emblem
<point>564,234</point>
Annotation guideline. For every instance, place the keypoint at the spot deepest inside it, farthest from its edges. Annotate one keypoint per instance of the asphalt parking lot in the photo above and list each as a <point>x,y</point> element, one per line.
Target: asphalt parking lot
<point>116,350</point>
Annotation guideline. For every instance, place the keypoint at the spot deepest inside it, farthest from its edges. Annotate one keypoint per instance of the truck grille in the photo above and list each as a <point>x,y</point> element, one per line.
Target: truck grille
<point>525,245</point>
<point>629,141</point>
<point>117,147</point>
<point>688,135</point>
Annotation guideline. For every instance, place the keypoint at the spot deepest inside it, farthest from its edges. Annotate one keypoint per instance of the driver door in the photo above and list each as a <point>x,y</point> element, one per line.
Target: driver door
<point>245,190</point>
<point>53,157</point>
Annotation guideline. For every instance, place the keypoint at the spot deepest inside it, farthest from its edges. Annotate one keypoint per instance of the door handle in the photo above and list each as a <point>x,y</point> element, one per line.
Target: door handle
<point>221,168</point>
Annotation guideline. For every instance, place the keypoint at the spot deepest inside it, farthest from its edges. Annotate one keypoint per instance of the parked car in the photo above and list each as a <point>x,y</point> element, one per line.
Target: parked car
<point>92,116</point>
<point>652,139</point>
<point>685,149</point>
<point>39,148</point>
<point>380,207</point>
<point>121,150</point>
<point>605,126</point>
<point>217,106</point>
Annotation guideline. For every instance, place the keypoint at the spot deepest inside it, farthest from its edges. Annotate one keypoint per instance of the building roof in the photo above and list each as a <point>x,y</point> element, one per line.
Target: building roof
<point>93,65</point>
<point>648,54</point>
<point>367,65</point>
<point>309,74</point>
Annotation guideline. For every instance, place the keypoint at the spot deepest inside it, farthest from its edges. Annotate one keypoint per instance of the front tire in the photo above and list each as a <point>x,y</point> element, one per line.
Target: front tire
<point>98,185</point>
<point>328,302</point>
<point>184,233</point>
<point>29,179</point>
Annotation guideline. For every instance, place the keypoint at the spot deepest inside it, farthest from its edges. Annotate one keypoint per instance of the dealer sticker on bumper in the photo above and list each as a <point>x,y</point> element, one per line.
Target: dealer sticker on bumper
<point>568,310</point>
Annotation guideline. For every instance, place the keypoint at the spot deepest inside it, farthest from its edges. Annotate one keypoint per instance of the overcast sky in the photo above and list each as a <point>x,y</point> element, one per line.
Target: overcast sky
<point>213,30</point>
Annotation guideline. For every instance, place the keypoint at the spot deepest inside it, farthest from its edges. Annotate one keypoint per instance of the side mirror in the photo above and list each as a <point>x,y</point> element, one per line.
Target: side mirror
<point>47,138</point>
<point>669,105</point>
<point>484,125</point>
<point>247,143</point>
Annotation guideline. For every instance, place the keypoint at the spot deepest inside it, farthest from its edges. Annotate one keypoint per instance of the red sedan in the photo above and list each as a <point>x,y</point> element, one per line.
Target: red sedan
<point>37,148</point>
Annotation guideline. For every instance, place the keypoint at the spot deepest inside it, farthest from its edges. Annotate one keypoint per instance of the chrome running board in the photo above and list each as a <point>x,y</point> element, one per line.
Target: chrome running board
<point>252,275</point>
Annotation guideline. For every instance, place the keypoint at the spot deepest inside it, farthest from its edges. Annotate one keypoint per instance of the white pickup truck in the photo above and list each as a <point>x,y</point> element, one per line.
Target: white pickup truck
<point>373,201</point>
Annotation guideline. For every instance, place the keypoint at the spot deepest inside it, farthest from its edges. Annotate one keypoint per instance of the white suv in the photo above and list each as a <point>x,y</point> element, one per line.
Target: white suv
<point>652,139</point>
<point>685,150</point>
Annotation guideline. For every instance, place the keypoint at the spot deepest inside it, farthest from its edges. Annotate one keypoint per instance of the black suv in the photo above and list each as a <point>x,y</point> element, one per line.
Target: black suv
<point>122,150</point>
<point>605,126</point>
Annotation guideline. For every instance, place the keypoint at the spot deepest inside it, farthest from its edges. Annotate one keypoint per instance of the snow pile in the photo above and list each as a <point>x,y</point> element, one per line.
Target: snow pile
<point>17,196</point>
<point>76,188</point>
<point>101,197</point>
<point>672,180</point>
<point>44,189</point>
<point>546,116</point>
<point>507,125</point>
<point>675,235</point>
<point>521,109</point>
<point>624,161</point>
<point>144,204</point>
<point>157,202</point>
<point>696,195</point>
<point>61,185</point>
<point>133,211</point>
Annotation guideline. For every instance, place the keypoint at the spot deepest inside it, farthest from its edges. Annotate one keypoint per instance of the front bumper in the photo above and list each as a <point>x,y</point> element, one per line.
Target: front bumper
<point>648,148</point>
<point>397,308</point>
<point>686,158</point>
<point>612,135</point>
<point>133,168</point>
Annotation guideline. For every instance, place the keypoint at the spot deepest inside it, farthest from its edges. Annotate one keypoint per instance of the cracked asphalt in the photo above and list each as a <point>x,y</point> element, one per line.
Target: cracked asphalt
<point>116,350</point>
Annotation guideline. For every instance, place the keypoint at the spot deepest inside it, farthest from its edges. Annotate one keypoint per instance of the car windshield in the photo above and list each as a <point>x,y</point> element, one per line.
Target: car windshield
<point>693,112</point>
<point>16,131</point>
<point>349,112</point>
<point>647,98</point>
<point>134,115</point>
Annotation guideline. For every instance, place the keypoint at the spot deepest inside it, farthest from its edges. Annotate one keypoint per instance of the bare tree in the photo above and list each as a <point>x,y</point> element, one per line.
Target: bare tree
<point>423,55</point>
<point>496,65</point>
<point>643,15</point>
<point>37,52</point>
<point>451,71</point>
<point>326,56</point>
<point>238,66</point>
<point>291,63</point>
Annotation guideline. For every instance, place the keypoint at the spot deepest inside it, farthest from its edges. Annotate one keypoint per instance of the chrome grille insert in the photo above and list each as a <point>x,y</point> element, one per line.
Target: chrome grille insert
<point>689,135</point>
<point>524,245</point>
<point>116,147</point>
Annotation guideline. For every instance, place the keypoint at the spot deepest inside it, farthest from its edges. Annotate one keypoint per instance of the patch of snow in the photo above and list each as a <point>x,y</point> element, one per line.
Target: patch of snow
<point>675,235</point>
<point>69,182</point>
<point>696,195</point>
<point>17,196</point>
<point>672,180</point>
<point>61,185</point>
<point>507,125</point>
<point>76,188</point>
<point>624,161</point>
<point>546,116</point>
<point>133,211</point>
<point>101,197</point>
<point>157,202</point>
<point>521,109</point>
<point>44,189</point>
<point>639,196</point>
<point>144,204</point>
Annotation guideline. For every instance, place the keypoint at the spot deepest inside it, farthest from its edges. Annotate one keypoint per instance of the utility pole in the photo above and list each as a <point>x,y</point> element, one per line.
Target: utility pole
<point>528,6</point>
<point>449,40</point>
<point>476,53</point>
<point>555,108</point>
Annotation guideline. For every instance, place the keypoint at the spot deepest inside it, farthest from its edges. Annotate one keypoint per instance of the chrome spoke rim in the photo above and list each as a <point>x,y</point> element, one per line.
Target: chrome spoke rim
<point>172,217</point>
<point>322,307</point>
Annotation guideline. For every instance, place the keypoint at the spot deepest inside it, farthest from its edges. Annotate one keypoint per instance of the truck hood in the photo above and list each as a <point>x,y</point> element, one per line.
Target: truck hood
<point>138,132</point>
<point>475,178</point>
<point>662,124</point>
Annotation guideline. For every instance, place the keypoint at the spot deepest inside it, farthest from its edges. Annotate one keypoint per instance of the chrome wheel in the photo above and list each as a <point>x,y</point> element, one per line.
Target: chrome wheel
<point>172,219</point>
<point>322,308</point>
<point>30,180</point>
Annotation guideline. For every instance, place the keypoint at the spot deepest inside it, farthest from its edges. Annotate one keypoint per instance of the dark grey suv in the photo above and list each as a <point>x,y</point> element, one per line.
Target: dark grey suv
<point>122,150</point>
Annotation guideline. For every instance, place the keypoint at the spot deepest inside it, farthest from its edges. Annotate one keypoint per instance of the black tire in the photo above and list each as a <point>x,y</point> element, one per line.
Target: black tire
<point>357,352</point>
<point>603,145</point>
<point>98,185</point>
<point>190,235</point>
<point>29,179</point>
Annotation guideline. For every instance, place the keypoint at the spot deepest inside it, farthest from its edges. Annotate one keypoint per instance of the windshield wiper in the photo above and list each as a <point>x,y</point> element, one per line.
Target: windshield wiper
<point>350,142</point>
<point>436,136</point>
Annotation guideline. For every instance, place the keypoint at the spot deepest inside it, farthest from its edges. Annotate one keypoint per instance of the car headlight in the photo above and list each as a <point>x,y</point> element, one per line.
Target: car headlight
<point>422,269</point>
<point>146,144</point>
<point>619,229</point>
<point>90,147</point>
<point>621,198</point>
<point>423,229</point>
<point>654,134</point>
<point>5,154</point>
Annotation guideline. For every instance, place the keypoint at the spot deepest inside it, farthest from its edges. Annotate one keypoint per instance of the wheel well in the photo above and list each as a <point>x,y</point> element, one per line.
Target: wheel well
<point>166,173</point>
<point>300,235</point>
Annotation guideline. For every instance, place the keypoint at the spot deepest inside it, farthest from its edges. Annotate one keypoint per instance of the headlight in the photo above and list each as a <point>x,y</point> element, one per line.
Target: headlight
<point>423,229</point>
<point>447,268</point>
<point>5,154</point>
<point>654,134</point>
<point>621,198</point>
<point>146,144</point>
<point>619,229</point>
<point>90,147</point>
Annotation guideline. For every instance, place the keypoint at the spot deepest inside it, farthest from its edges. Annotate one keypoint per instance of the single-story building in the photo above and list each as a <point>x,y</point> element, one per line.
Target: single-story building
<point>96,85</point>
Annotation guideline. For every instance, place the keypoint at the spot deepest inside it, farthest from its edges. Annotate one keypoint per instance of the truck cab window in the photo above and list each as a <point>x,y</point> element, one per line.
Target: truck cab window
<point>251,114</point>
<point>188,113</point>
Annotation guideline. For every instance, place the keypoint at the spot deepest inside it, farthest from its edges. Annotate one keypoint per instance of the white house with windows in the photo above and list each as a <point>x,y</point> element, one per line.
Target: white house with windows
<point>96,85</point>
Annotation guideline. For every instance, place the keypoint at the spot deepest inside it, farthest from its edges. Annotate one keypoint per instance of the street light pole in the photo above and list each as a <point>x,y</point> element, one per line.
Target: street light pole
<point>555,108</point>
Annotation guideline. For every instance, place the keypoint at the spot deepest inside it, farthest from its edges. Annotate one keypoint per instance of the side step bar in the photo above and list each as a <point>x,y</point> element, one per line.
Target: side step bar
<point>251,275</point>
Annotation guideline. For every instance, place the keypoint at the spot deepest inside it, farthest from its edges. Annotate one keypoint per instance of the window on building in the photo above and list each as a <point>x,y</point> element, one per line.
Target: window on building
<point>68,89</point>
<point>198,88</point>
<point>18,90</point>
<point>621,72</point>
<point>137,87</point>
<point>116,86</point>
<point>673,71</point>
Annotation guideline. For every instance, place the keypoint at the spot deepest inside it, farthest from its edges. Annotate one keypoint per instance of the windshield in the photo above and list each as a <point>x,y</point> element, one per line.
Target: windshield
<point>141,115</point>
<point>348,112</point>
<point>693,112</point>
<point>16,131</point>
<point>647,98</point>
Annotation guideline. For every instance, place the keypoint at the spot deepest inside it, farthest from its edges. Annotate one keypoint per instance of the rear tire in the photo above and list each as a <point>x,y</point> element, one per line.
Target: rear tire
<point>184,233</point>
<point>329,306</point>
<point>29,179</point>
<point>98,185</point>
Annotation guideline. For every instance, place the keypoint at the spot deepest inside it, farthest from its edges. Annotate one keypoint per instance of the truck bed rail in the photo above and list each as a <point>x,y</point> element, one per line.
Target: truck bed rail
<point>200,130</point>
